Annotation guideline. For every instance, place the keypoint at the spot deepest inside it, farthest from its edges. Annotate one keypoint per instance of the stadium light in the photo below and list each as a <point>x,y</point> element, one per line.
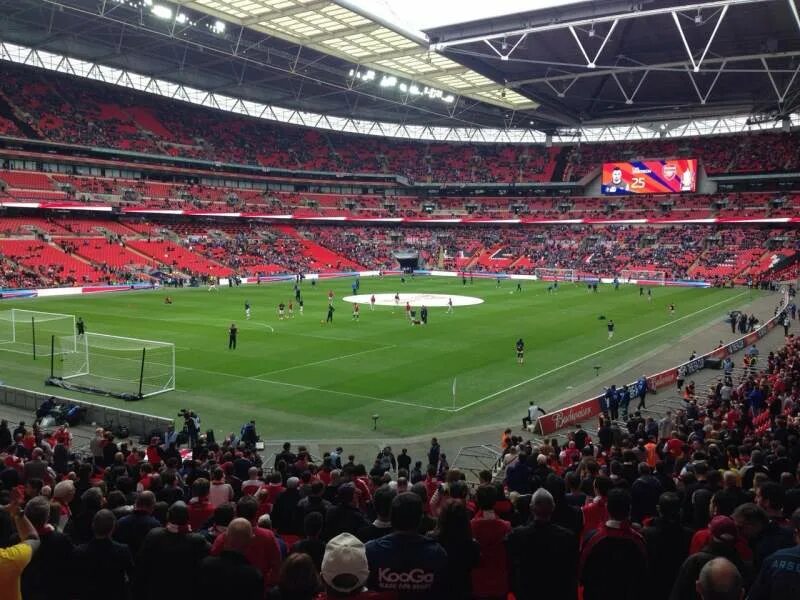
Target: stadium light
<point>388,81</point>
<point>181,18</point>
<point>218,27</point>
<point>161,11</point>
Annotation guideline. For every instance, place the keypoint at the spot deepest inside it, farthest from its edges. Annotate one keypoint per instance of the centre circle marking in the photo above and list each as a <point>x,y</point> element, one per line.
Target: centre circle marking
<point>433,300</point>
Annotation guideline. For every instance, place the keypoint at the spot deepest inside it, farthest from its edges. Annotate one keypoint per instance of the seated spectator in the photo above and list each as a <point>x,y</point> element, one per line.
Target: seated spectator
<point>132,529</point>
<point>298,580</point>
<point>719,579</point>
<point>382,504</point>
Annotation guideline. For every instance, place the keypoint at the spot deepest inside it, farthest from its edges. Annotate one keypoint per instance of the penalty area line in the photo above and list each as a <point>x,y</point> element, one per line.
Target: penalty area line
<point>327,360</point>
<point>582,358</point>
<point>350,394</point>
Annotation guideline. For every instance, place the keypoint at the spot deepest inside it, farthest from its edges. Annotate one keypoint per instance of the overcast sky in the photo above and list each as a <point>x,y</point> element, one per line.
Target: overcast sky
<point>424,14</point>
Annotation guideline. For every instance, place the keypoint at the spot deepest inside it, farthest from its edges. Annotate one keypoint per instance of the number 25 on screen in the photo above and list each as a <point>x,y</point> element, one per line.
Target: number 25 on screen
<point>638,183</point>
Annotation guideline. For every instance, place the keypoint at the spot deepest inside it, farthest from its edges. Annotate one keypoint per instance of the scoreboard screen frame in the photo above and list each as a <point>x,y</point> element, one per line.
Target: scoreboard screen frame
<point>651,176</point>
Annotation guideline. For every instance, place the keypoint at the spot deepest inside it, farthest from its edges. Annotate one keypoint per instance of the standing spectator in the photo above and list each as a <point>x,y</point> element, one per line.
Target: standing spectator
<point>344,517</point>
<point>719,579</point>
<point>645,493</point>
<point>230,574</point>
<point>595,513</point>
<point>490,576</point>
<point>200,509</point>
<point>543,548</point>
<point>102,566</point>
<point>403,461</point>
<point>14,559</point>
<point>614,548</point>
<point>44,577</point>
<point>667,543</point>
<point>382,503</point>
<point>404,553</point>
<point>434,452</point>
<point>779,578</point>
<point>298,579</point>
<point>463,552</point>
<point>262,551</point>
<point>167,551</point>
<point>220,491</point>
<point>132,529</point>
<point>312,543</point>
<point>284,510</point>
<point>721,545</point>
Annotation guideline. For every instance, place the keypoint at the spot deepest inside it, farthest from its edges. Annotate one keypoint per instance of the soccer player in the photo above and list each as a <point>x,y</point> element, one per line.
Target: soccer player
<point>329,318</point>
<point>610,328</point>
<point>330,296</point>
<point>520,351</point>
<point>498,281</point>
<point>79,326</point>
<point>281,308</point>
<point>649,295</point>
<point>532,417</point>
<point>372,302</point>
<point>671,309</point>
<point>291,310</point>
<point>397,298</point>
<point>449,306</point>
<point>618,185</point>
<point>423,314</point>
<point>641,291</point>
<point>300,304</point>
<point>212,284</point>
<point>408,309</point>
<point>519,286</point>
<point>356,310</point>
<point>247,309</point>
<point>232,332</point>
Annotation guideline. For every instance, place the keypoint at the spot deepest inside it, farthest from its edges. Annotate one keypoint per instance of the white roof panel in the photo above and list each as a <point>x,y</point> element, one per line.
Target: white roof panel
<point>340,31</point>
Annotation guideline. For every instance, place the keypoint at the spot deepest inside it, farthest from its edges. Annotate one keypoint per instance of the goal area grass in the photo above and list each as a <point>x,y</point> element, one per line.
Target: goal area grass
<point>302,378</point>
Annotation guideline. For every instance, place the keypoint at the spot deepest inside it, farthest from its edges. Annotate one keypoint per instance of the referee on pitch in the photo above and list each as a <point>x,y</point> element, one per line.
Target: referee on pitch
<point>232,332</point>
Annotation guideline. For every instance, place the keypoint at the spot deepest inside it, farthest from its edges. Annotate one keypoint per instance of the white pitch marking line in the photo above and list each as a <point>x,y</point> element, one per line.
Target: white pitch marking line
<point>577,360</point>
<point>270,327</point>
<point>352,395</point>
<point>327,360</point>
<point>315,389</point>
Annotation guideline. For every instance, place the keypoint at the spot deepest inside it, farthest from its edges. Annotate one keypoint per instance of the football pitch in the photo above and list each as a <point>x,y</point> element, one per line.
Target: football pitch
<point>301,378</point>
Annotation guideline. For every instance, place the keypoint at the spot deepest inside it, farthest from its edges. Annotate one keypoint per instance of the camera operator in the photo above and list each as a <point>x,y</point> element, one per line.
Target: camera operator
<point>191,426</point>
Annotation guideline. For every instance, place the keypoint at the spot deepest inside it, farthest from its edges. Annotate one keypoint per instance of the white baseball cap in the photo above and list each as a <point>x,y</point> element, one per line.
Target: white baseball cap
<point>344,566</point>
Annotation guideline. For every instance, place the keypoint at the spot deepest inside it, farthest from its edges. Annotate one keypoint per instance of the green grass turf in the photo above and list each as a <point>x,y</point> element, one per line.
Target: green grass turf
<point>309,380</point>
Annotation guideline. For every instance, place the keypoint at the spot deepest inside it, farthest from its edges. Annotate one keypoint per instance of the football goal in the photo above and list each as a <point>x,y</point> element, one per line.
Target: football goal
<point>556,274</point>
<point>30,331</point>
<point>111,365</point>
<point>636,275</point>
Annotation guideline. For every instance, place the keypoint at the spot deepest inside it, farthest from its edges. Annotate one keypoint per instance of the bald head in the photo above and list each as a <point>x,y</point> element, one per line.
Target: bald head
<point>238,535</point>
<point>720,580</point>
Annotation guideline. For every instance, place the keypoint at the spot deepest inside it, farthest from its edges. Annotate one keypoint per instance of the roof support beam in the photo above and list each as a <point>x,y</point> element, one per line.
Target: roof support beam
<point>780,95</point>
<point>629,99</point>
<point>633,14</point>
<point>696,65</point>
<point>704,97</point>
<point>592,63</point>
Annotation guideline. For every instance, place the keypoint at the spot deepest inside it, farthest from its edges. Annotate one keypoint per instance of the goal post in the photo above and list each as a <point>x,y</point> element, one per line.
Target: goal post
<point>123,367</point>
<point>30,331</point>
<point>546,274</point>
<point>643,275</point>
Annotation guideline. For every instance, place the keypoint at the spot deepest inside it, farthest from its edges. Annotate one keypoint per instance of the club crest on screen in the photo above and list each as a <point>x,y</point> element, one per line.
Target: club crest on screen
<point>669,170</point>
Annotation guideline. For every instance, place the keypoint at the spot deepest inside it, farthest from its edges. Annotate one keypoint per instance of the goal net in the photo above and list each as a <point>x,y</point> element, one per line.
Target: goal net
<point>111,365</point>
<point>556,274</point>
<point>31,331</point>
<point>642,276</point>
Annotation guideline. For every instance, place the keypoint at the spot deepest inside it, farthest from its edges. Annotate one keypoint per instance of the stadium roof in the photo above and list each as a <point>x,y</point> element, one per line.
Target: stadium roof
<point>588,70</point>
<point>349,32</point>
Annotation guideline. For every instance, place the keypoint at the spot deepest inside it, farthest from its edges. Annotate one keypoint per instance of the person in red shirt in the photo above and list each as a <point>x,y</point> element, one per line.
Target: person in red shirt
<point>595,512</point>
<point>263,551</point>
<point>200,509</point>
<point>490,577</point>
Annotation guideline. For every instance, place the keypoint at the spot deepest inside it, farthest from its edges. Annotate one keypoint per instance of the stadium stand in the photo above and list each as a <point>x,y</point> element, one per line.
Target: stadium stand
<point>715,477</point>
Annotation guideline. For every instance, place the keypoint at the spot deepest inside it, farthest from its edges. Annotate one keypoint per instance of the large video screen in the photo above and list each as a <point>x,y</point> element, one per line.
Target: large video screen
<point>672,175</point>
